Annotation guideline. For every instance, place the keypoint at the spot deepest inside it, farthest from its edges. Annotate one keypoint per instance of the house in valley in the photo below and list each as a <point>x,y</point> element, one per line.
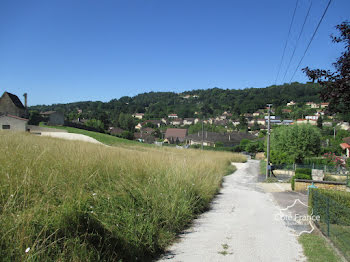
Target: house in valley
<point>138,115</point>
<point>175,135</point>
<point>213,138</point>
<point>346,146</point>
<point>188,121</point>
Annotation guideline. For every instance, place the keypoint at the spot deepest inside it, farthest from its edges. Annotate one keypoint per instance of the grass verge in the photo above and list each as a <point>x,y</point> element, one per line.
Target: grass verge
<point>262,167</point>
<point>317,249</point>
<point>74,201</point>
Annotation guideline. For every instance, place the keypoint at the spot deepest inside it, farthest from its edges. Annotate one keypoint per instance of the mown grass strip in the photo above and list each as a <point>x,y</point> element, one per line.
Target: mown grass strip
<point>317,249</point>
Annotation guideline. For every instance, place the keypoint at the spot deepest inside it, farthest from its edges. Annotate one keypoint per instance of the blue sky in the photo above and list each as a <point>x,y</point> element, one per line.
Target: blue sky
<point>76,50</point>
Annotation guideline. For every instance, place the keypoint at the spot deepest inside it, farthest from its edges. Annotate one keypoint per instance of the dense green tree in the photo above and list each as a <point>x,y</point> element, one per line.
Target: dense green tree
<point>320,122</point>
<point>336,85</point>
<point>294,143</point>
<point>126,122</point>
<point>34,118</point>
<point>95,123</point>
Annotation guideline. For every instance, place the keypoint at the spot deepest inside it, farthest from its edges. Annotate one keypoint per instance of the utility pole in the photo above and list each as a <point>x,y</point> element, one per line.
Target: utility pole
<point>202,132</point>
<point>268,142</point>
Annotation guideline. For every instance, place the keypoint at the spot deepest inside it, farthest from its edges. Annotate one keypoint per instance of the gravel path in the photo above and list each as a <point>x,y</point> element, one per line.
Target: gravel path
<point>240,226</point>
<point>71,136</point>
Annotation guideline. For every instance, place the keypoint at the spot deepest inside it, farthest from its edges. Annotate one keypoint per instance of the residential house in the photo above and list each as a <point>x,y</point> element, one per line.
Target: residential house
<point>344,125</point>
<point>312,105</point>
<point>165,121</point>
<point>53,118</point>
<point>311,117</point>
<point>287,122</point>
<point>213,138</point>
<point>177,122</point>
<point>220,122</point>
<point>138,115</point>
<point>11,105</point>
<point>306,121</point>
<point>324,105</point>
<point>196,120</point>
<point>261,121</point>
<point>188,121</point>
<point>13,123</point>
<point>346,146</point>
<point>235,122</point>
<point>291,103</point>
<point>172,116</point>
<point>175,135</point>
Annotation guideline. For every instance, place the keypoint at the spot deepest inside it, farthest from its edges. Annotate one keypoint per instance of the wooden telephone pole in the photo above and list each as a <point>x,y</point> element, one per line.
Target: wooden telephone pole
<point>268,167</point>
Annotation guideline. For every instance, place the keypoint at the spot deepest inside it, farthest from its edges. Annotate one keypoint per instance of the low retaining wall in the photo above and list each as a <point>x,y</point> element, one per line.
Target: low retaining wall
<point>302,185</point>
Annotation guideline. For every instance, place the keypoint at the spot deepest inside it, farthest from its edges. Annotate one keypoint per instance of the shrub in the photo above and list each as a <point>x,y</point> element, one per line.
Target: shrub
<point>305,171</point>
<point>301,173</point>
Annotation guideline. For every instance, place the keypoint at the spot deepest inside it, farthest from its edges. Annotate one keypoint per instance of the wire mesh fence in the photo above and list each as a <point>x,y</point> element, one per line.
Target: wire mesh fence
<point>338,173</point>
<point>332,218</point>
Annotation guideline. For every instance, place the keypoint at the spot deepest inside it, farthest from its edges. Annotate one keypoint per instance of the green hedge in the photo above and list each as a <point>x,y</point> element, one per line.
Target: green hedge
<point>300,175</point>
<point>304,171</point>
<point>333,207</point>
<point>339,206</point>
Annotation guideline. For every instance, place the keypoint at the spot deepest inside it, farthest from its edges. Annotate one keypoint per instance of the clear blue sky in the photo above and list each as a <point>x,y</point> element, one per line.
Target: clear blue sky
<point>62,51</point>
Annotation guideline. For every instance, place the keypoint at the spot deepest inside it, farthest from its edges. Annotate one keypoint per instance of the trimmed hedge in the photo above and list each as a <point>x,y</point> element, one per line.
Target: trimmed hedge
<point>339,205</point>
<point>301,173</point>
<point>305,171</point>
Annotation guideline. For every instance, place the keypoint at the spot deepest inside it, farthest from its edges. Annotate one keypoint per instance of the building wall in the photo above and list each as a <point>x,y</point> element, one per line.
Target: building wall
<point>302,186</point>
<point>7,107</point>
<point>56,119</point>
<point>15,124</point>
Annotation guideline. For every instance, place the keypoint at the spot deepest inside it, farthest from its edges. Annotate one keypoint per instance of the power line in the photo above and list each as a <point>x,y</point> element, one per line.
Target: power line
<point>285,45</point>
<point>312,38</point>
<point>295,47</point>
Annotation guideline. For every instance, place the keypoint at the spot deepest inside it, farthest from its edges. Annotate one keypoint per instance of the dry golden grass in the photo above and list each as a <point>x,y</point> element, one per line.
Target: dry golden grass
<point>75,201</point>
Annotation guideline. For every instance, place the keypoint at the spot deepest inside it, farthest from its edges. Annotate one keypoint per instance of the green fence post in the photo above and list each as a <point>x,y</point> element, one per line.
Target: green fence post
<point>328,218</point>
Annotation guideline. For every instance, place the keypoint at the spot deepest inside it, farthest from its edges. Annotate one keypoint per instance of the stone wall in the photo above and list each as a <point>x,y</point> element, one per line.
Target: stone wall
<point>302,185</point>
<point>13,123</point>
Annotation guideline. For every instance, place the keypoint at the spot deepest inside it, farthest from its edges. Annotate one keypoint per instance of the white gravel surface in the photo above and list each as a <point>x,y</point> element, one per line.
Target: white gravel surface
<point>240,226</point>
<point>71,136</point>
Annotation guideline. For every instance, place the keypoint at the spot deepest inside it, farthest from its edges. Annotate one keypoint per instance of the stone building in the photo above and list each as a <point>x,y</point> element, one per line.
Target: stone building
<point>53,118</point>
<point>11,105</point>
<point>13,123</point>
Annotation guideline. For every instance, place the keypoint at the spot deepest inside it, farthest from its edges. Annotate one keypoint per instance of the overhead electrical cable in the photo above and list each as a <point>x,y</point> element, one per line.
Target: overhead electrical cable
<point>285,45</point>
<point>312,38</point>
<point>295,47</point>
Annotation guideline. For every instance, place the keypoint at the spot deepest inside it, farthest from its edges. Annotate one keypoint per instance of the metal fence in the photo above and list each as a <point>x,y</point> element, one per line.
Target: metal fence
<point>334,220</point>
<point>341,173</point>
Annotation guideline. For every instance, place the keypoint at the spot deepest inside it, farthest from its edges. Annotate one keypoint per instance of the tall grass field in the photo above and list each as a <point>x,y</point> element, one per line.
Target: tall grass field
<point>74,201</point>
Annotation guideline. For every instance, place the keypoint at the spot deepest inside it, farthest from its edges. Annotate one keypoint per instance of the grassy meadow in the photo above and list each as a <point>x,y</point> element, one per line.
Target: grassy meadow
<point>74,201</point>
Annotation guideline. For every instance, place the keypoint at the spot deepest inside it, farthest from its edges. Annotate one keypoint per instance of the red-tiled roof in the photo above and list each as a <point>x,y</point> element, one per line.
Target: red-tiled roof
<point>344,145</point>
